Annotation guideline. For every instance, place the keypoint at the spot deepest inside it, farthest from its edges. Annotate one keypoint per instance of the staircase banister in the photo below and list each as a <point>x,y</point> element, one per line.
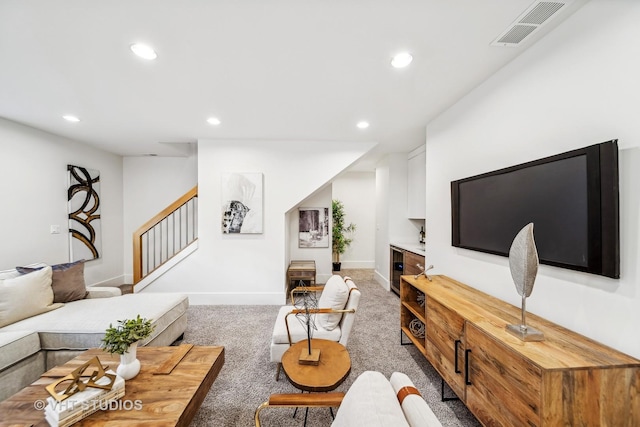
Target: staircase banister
<point>165,212</point>
<point>137,235</point>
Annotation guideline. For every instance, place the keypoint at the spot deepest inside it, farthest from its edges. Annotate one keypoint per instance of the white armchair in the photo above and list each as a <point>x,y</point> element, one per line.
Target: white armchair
<point>333,318</point>
<point>371,401</point>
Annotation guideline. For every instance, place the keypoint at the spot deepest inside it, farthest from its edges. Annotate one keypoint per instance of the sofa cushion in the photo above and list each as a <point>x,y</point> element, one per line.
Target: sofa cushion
<point>67,280</point>
<point>9,274</point>
<point>16,346</point>
<point>81,324</point>
<point>370,402</point>
<point>103,292</point>
<point>334,295</point>
<point>25,296</point>
<point>415,408</point>
<point>297,329</point>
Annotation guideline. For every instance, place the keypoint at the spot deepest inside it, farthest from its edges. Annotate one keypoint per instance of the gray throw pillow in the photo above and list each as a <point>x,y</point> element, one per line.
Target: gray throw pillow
<point>68,281</point>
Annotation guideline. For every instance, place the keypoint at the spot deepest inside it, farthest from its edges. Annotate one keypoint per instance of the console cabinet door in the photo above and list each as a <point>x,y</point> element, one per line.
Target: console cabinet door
<point>445,344</point>
<point>503,388</point>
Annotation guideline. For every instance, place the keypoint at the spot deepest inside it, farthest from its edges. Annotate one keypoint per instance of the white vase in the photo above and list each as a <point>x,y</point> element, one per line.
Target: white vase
<point>129,364</point>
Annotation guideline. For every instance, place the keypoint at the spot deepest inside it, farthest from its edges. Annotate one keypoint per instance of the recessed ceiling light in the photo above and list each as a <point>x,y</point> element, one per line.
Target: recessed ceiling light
<point>71,118</point>
<point>144,51</point>
<point>213,121</point>
<point>401,60</point>
<point>362,124</point>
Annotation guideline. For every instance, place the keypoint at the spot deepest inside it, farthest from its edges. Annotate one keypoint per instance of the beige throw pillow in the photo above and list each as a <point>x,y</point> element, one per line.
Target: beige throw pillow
<point>25,296</point>
<point>334,295</point>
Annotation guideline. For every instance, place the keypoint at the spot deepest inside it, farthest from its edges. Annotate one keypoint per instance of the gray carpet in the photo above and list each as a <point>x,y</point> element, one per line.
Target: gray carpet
<point>248,378</point>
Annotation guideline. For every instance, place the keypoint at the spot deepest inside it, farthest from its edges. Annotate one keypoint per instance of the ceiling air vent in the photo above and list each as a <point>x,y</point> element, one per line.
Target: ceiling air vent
<point>536,15</point>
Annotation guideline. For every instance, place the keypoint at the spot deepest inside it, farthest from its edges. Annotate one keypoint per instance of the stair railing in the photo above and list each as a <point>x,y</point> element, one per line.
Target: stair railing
<point>164,235</point>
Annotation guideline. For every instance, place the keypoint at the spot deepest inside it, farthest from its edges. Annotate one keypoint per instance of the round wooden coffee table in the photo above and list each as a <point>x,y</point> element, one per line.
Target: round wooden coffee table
<point>333,369</point>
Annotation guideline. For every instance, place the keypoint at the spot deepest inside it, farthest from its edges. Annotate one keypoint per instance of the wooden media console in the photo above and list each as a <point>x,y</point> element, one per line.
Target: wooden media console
<point>565,380</point>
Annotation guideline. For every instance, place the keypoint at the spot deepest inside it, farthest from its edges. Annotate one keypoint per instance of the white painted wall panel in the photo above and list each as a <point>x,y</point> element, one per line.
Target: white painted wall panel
<point>250,269</point>
<point>576,87</point>
<point>33,187</point>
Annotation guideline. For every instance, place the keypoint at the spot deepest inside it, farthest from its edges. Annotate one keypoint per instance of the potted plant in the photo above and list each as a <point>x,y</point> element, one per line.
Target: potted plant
<point>339,240</point>
<point>123,340</point>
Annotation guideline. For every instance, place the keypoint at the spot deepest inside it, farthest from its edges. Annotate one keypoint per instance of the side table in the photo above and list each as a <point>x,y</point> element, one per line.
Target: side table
<point>333,369</point>
<point>301,270</point>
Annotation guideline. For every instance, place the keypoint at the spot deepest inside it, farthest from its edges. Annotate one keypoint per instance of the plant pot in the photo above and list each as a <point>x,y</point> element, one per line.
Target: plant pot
<point>129,364</point>
<point>336,266</point>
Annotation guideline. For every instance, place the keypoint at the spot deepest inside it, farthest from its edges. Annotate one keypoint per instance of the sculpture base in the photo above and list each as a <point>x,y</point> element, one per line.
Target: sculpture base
<point>525,333</point>
<point>309,359</point>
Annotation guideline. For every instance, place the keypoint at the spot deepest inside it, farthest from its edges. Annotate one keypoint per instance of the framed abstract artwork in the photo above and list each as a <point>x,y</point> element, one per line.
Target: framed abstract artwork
<point>242,203</point>
<point>83,197</point>
<point>313,227</point>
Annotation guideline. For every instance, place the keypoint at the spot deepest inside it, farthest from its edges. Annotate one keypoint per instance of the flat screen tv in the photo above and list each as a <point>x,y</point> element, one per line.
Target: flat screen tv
<point>571,199</point>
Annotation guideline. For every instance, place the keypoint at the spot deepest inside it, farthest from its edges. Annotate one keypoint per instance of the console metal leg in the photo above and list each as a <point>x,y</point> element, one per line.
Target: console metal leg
<point>402,342</point>
<point>445,399</point>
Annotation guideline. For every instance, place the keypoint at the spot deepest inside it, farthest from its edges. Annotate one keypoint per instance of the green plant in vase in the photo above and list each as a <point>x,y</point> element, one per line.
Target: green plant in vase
<point>340,233</point>
<point>123,340</point>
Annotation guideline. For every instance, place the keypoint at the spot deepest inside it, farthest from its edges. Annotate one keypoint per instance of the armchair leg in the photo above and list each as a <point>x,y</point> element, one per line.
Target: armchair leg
<point>278,371</point>
<point>303,400</point>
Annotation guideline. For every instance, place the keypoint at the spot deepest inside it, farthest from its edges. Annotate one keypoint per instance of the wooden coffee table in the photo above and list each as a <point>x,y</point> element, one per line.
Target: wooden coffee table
<point>333,369</point>
<point>170,387</point>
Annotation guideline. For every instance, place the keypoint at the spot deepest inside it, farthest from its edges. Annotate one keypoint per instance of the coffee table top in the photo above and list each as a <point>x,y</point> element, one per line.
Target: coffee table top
<point>171,385</point>
<point>333,369</point>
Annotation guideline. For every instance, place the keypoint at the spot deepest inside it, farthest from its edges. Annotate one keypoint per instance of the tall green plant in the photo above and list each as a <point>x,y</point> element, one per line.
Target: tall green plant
<point>340,242</point>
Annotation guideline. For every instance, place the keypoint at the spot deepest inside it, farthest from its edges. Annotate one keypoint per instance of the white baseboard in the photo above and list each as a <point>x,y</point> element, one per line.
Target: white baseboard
<point>114,281</point>
<point>383,281</point>
<point>322,278</point>
<point>358,264</point>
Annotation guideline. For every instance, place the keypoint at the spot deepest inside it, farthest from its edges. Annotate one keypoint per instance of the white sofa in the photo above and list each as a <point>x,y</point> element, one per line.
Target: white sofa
<point>59,331</point>
<point>371,401</point>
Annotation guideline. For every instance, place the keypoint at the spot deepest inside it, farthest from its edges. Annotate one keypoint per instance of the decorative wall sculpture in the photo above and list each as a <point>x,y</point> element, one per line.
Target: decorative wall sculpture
<point>313,227</point>
<point>242,203</point>
<point>83,197</point>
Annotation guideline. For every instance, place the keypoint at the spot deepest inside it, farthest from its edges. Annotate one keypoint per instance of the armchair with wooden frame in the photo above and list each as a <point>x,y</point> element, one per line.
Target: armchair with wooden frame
<point>333,318</point>
<point>371,401</point>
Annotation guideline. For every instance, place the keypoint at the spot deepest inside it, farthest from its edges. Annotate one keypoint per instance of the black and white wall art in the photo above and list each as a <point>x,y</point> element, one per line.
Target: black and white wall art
<point>83,197</point>
<point>242,203</point>
<point>313,227</point>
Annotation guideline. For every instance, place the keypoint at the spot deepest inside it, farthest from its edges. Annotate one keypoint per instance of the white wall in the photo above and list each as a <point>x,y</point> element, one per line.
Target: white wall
<point>357,192</point>
<point>392,219</point>
<point>322,256</point>
<point>33,187</point>
<point>576,87</point>
<point>381,272</point>
<point>250,269</point>
<point>150,185</point>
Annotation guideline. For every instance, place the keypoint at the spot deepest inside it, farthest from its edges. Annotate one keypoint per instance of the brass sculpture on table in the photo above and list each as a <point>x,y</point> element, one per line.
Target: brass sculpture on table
<point>523,263</point>
<point>76,384</point>
<point>424,271</point>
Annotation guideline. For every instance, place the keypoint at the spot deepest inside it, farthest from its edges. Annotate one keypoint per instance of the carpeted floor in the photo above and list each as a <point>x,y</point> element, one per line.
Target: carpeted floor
<point>248,378</point>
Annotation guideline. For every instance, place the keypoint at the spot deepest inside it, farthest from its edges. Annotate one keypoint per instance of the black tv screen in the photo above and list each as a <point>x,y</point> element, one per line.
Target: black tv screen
<point>571,199</point>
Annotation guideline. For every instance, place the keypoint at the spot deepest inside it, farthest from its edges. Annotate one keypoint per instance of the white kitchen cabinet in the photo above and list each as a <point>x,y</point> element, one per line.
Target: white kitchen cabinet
<point>416,183</point>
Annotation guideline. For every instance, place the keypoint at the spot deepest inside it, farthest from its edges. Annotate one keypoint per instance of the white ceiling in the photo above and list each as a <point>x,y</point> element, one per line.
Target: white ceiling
<point>269,69</point>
